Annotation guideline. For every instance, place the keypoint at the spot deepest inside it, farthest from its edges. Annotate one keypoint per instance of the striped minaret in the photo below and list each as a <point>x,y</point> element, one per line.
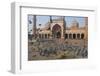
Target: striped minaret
<point>34,26</point>
<point>86,21</point>
<point>64,27</point>
<point>86,28</point>
<point>64,19</point>
<point>50,19</point>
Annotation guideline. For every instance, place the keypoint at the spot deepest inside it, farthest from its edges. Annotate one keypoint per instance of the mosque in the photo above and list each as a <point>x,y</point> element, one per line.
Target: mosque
<point>56,29</point>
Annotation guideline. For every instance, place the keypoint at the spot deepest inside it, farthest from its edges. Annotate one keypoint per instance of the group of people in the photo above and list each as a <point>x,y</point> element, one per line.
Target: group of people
<point>53,48</point>
<point>77,51</point>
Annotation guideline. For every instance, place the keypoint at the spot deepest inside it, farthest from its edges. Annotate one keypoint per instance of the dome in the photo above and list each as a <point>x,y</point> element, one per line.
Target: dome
<point>75,23</point>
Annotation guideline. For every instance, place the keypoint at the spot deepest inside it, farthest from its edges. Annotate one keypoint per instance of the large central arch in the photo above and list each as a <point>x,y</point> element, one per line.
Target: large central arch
<point>56,31</point>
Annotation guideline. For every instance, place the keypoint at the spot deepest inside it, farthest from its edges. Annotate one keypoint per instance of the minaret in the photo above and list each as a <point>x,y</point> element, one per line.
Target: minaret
<point>86,29</point>
<point>34,26</point>
<point>86,21</point>
<point>64,22</point>
<point>50,19</point>
<point>86,24</point>
<point>64,27</point>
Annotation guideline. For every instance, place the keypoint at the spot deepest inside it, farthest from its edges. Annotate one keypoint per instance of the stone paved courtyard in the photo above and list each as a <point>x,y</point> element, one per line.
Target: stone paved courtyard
<point>49,49</point>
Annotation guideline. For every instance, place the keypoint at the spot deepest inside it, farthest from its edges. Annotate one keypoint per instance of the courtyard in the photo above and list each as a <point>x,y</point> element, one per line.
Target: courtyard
<point>47,49</point>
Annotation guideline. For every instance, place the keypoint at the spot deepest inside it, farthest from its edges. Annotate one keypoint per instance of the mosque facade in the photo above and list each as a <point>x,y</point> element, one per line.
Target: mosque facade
<point>56,29</point>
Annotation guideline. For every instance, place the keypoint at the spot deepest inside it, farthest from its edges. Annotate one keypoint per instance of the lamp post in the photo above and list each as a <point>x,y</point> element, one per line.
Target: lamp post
<point>39,29</point>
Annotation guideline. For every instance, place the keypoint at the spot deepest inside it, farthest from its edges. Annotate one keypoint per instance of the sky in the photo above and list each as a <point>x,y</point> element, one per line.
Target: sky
<point>40,19</point>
